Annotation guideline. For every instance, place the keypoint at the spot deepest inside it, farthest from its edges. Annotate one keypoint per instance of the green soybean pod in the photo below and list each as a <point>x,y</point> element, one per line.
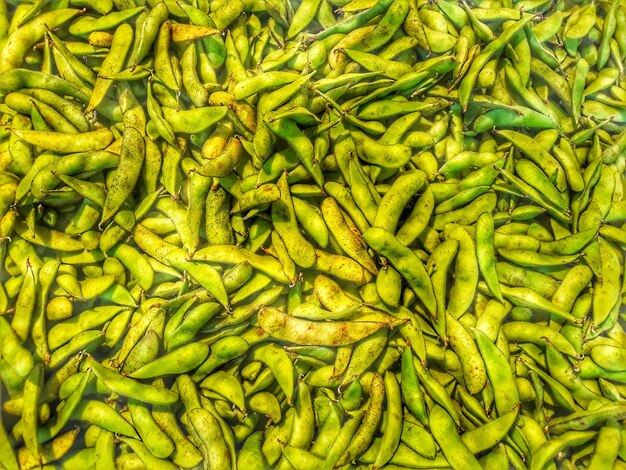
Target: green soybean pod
<point>371,419</point>
<point>193,321</point>
<point>12,349</point>
<point>360,186</point>
<point>6,448</point>
<point>131,388</point>
<point>105,450</point>
<point>279,325</point>
<point>230,254</point>
<point>499,372</point>
<point>485,253</point>
<point>570,288</point>
<point>562,371</point>
<point>4,26</point>
<point>389,286</point>
<point>515,276</point>
<point>51,452</point>
<point>302,458</point>
<point>312,221</point>
<point>285,223</point>
<point>578,87</point>
<point>147,458</point>
<point>179,361</point>
<point>387,156</point>
<point>537,155</point>
<point>127,173</point>
<point>419,218</point>
<point>607,446</point>
<point>303,428</point>
<point>227,13</point>
<point>114,63</point>
<point>147,28</point>
<point>346,237</point>
<point>159,125</point>
<point>163,65</point>
<point>362,355</point>
<point>444,431</point>
<point>47,275</point>
<point>109,20</point>
<point>438,266</point>
<point>186,454</point>
<point>402,190</point>
<point>136,264</point>
<point>463,198</point>
<point>25,305</point>
<point>472,364</point>
<point>272,445</point>
<point>350,23</point>
<point>609,357</point>
<point>526,332</point>
<point>466,269</point>
<point>468,82</point>
<point>288,130</point>
<point>32,391</point>
<point>393,429</point>
<point>548,450</point>
<point>302,17</point>
<point>250,455</point>
<point>23,38</point>
<point>487,435</point>
<point>219,230</point>
<point>145,351</point>
<point>534,176</point>
<point>64,331</point>
<point>53,427</point>
<point>206,429</point>
<point>345,199</point>
<point>606,293</point>
<point>405,261</point>
<point>491,319</point>
<point>158,443</point>
<point>67,143</point>
<point>280,365</point>
<point>571,166</point>
<point>267,404</point>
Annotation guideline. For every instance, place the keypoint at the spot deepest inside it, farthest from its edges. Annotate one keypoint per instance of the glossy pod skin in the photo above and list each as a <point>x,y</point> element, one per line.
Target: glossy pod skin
<point>312,234</point>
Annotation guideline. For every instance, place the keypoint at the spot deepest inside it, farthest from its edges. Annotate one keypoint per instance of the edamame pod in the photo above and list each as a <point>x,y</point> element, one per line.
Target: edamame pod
<point>444,431</point>
<point>67,143</point>
<point>405,261</point>
<point>397,197</point>
<point>279,325</point>
<point>180,361</point>
<point>130,387</point>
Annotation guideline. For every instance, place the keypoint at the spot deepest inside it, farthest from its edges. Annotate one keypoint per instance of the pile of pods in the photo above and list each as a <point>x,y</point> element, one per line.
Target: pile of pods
<point>250,234</point>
